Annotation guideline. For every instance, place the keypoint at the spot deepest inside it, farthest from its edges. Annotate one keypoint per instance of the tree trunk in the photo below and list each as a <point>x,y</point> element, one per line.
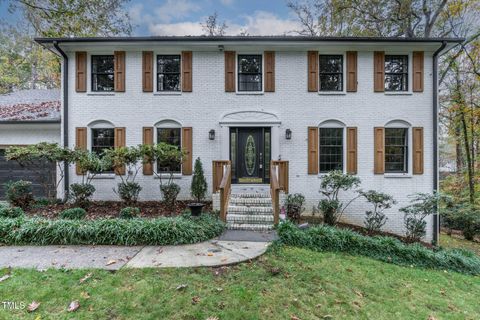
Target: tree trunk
<point>471,185</point>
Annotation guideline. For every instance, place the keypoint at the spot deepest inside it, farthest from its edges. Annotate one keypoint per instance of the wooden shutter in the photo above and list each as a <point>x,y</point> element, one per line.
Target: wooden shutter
<point>269,71</point>
<point>312,150</point>
<point>80,71</point>
<point>351,71</point>
<point>119,141</point>
<point>312,71</point>
<point>80,143</point>
<point>119,71</point>
<point>187,71</point>
<point>187,147</point>
<point>418,71</point>
<point>147,71</point>
<point>148,140</point>
<point>352,150</point>
<point>417,150</point>
<point>379,146</point>
<point>379,71</point>
<point>229,71</point>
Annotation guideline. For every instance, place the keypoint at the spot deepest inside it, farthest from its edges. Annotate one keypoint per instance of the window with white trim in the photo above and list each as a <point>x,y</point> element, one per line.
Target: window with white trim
<point>396,150</point>
<point>250,72</point>
<point>331,72</point>
<point>396,72</point>
<point>331,148</point>
<point>172,136</point>
<point>168,72</point>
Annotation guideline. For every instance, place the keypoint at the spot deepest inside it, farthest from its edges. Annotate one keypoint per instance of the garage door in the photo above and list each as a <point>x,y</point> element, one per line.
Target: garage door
<point>40,174</point>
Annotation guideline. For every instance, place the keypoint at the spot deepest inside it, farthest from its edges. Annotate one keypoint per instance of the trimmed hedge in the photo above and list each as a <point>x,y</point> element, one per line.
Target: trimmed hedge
<point>387,249</point>
<point>160,231</point>
<point>73,214</point>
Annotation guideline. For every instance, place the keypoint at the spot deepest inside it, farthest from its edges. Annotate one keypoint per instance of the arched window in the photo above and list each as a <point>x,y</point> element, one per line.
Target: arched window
<point>331,146</point>
<point>102,137</point>
<point>397,142</point>
<point>170,132</point>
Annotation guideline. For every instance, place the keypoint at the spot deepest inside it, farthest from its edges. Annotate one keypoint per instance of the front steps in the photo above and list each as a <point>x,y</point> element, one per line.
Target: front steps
<point>250,211</point>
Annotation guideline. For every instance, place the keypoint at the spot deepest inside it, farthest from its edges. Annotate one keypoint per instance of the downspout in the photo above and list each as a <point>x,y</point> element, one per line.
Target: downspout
<point>436,216</point>
<point>66,179</point>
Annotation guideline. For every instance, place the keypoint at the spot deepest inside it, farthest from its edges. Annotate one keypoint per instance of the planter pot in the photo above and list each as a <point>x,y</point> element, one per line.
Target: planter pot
<point>196,208</point>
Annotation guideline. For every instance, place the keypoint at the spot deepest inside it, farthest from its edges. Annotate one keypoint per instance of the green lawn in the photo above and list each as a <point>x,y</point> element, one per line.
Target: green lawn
<point>455,241</point>
<point>285,284</point>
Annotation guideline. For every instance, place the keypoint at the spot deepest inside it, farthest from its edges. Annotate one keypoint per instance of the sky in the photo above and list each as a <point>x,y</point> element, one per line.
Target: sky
<point>183,17</point>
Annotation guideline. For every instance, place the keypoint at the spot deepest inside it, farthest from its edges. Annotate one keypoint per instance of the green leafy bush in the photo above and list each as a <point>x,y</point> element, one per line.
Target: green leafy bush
<point>387,249</point>
<point>73,213</point>
<point>199,183</point>
<point>128,191</point>
<point>170,193</point>
<point>129,212</point>
<point>19,193</point>
<point>375,219</point>
<point>294,206</point>
<point>11,212</point>
<point>138,231</point>
<point>81,193</point>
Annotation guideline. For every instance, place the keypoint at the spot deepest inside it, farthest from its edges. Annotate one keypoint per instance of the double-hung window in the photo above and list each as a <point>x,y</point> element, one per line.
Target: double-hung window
<point>250,72</point>
<point>331,149</point>
<point>102,73</point>
<point>331,73</point>
<point>171,136</point>
<point>396,150</point>
<point>103,139</point>
<point>396,72</point>
<point>168,72</point>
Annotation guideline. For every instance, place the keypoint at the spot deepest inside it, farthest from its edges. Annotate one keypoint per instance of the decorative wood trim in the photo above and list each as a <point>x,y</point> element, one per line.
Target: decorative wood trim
<point>229,71</point>
<point>312,58</point>
<point>379,71</point>
<point>187,71</point>
<point>351,71</point>
<point>379,147</point>
<point>187,147</point>
<point>80,71</point>
<point>80,144</point>
<point>119,71</point>
<point>417,66</point>
<point>147,71</point>
<point>312,150</point>
<point>148,140</point>
<point>120,141</point>
<point>352,150</point>
<point>417,141</point>
<point>269,71</point>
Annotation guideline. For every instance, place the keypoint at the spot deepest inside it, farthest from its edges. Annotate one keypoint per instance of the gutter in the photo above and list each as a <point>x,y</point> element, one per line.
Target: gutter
<point>66,179</point>
<point>30,122</point>
<point>436,216</point>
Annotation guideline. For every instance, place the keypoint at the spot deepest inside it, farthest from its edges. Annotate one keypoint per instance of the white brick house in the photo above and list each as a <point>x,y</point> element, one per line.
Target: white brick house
<point>257,91</point>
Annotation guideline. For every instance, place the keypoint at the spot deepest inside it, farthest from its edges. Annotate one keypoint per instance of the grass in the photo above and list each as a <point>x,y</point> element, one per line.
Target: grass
<point>284,283</point>
<point>456,242</point>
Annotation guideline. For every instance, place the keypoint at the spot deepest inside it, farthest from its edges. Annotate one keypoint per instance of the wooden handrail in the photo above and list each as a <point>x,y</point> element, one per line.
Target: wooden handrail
<point>218,168</point>
<point>278,181</point>
<point>222,181</point>
<point>282,176</point>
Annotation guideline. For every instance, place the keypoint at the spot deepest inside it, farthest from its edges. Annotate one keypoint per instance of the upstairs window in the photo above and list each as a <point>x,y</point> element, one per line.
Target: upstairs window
<point>250,72</point>
<point>331,149</point>
<point>102,73</point>
<point>396,72</point>
<point>396,150</point>
<point>331,72</point>
<point>168,73</point>
<point>171,136</point>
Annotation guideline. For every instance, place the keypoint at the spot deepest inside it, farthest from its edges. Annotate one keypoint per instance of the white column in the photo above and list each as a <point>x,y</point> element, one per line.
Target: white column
<point>275,142</point>
<point>224,143</point>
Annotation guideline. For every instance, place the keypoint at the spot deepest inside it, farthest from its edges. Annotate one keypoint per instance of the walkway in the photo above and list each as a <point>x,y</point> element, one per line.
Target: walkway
<point>230,248</point>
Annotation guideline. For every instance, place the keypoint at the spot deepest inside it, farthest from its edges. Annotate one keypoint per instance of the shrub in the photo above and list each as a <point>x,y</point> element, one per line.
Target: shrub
<point>170,193</point>
<point>73,214</point>
<point>129,212</point>
<point>294,206</point>
<point>331,185</point>
<point>128,191</point>
<point>11,212</point>
<point>81,194</point>
<point>137,231</point>
<point>386,249</point>
<point>19,193</point>
<point>464,218</point>
<point>199,183</point>
<point>376,219</point>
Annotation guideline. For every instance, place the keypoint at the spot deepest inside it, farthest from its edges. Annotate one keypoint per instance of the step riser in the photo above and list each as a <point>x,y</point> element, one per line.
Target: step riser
<point>250,195</point>
<point>250,203</point>
<point>250,211</point>
<point>252,227</point>
<point>250,219</point>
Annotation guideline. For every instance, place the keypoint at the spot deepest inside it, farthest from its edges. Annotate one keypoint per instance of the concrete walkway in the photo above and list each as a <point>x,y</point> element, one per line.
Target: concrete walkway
<point>232,247</point>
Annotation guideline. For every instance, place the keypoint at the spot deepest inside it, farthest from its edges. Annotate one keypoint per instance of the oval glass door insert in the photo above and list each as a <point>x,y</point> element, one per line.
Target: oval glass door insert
<point>250,155</point>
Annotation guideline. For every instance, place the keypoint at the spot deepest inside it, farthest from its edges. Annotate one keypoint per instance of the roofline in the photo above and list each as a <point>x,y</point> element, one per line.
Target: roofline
<point>218,39</point>
<point>30,121</point>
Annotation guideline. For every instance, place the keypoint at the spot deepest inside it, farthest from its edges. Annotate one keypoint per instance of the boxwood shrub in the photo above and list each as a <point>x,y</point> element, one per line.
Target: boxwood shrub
<point>129,213</point>
<point>137,231</point>
<point>387,249</point>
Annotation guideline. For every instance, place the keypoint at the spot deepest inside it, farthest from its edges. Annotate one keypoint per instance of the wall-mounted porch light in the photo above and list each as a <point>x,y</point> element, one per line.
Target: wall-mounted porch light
<point>288,134</point>
<point>211,134</point>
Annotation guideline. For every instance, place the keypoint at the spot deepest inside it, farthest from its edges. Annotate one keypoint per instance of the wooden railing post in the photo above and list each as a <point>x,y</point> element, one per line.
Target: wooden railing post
<point>221,176</point>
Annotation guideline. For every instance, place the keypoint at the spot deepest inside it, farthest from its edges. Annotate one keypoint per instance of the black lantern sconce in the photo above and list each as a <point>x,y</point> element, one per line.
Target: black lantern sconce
<point>211,134</point>
<point>288,134</point>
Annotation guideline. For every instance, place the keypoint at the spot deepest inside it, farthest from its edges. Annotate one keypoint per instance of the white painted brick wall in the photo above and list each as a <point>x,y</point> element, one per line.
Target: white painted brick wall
<point>295,107</point>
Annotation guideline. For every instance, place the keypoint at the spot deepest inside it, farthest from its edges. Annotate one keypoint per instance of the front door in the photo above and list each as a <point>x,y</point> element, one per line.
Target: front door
<point>250,154</point>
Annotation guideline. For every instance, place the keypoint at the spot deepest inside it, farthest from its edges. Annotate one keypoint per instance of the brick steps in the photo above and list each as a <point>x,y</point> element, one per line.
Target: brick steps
<point>250,211</point>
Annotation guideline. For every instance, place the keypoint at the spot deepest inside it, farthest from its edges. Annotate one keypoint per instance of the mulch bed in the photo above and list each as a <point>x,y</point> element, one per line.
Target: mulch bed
<point>111,209</point>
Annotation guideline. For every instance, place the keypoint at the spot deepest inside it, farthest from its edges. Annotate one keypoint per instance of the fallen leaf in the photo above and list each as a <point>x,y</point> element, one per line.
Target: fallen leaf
<point>84,295</point>
<point>328,316</point>
<point>358,293</point>
<point>33,306</point>
<point>293,317</point>
<point>73,306</point>
<point>209,254</point>
<point>85,278</point>
<point>219,289</point>
<point>182,286</point>
<point>430,317</point>
<point>5,277</point>
<point>110,262</point>
<point>212,318</point>
<point>195,300</point>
